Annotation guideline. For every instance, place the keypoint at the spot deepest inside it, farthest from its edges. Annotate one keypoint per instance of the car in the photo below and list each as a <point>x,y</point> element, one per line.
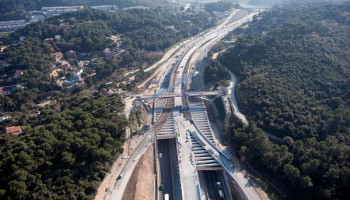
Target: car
<point>120,176</point>
<point>160,155</point>
<point>161,187</point>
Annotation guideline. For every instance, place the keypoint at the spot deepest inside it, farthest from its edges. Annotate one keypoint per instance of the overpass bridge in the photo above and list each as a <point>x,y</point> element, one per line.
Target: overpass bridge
<point>163,119</point>
<point>184,94</point>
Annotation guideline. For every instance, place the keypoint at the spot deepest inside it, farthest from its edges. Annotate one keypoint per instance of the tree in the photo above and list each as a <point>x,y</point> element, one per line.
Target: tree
<point>291,172</point>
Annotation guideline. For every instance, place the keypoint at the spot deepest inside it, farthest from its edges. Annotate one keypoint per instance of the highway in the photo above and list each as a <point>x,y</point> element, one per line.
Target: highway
<point>195,56</point>
<point>166,185</point>
<point>174,67</point>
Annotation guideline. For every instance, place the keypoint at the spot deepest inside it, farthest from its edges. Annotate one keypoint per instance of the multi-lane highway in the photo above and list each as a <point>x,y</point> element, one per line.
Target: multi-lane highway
<point>176,66</point>
<point>195,56</point>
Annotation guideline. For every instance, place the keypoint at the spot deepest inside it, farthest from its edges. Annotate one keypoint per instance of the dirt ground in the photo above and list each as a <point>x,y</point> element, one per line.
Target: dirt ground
<point>141,183</point>
<point>108,182</point>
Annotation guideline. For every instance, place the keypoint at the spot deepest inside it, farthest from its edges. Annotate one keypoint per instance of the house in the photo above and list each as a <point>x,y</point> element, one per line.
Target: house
<point>2,48</point>
<point>18,74</point>
<point>54,74</point>
<point>65,65</point>
<point>111,92</point>
<point>57,56</point>
<point>14,130</point>
<point>58,37</point>
<point>115,38</point>
<point>49,39</point>
<point>81,64</point>
<point>169,27</point>
<point>107,53</point>
<point>71,55</point>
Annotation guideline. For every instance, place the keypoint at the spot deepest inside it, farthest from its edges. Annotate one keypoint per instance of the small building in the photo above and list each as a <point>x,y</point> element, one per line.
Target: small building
<point>81,64</point>
<point>71,55</point>
<point>18,74</point>
<point>14,130</point>
<point>169,27</point>
<point>65,65</point>
<point>57,56</point>
<point>107,53</point>
<point>54,74</point>
<point>58,37</point>
<point>49,39</point>
<point>2,48</point>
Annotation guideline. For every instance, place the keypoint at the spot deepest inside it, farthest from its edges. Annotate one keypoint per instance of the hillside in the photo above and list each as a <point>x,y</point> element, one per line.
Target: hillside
<point>53,87</point>
<point>294,81</point>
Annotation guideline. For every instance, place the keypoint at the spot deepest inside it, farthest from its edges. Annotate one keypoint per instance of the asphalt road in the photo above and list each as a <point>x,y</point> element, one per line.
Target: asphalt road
<point>169,170</point>
<point>210,182</point>
<point>166,179</point>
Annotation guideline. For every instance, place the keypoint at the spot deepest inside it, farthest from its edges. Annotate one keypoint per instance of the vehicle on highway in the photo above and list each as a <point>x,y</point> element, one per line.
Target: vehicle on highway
<point>120,176</point>
<point>188,134</point>
<point>218,185</point>
<point>166,197</point>
<point>161,187</point>
<point>160,155</point>
<point>221,194</point>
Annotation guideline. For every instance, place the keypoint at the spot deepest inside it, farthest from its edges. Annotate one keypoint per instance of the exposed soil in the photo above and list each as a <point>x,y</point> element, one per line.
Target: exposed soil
<point>141,183</point>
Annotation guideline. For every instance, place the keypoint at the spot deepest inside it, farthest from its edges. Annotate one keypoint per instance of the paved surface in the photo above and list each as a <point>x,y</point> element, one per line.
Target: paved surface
<point>189,177</point>
<point>199,93</point>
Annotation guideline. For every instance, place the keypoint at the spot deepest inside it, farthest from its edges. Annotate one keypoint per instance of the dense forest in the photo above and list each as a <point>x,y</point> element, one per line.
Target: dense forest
<point>66,153</point>
<point>293,66</point>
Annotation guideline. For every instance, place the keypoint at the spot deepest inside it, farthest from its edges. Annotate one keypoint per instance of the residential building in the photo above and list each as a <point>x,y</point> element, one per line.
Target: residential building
<point>71,55</point>
<point>58,37</point>
<point>18,74</point>
<point>57,56</point>
<point>54,74</point>
<point>14,130</point>
<point>2,48</point>
<point>65,65</point>
<point>81,64</point>
<point>107,53</point>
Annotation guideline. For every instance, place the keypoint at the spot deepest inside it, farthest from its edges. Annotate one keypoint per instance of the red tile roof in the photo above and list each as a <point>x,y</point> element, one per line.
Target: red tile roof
<point>14,130</point>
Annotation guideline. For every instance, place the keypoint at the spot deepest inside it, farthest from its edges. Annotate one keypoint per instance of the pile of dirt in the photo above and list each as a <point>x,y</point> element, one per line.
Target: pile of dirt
<point>141,183</point>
